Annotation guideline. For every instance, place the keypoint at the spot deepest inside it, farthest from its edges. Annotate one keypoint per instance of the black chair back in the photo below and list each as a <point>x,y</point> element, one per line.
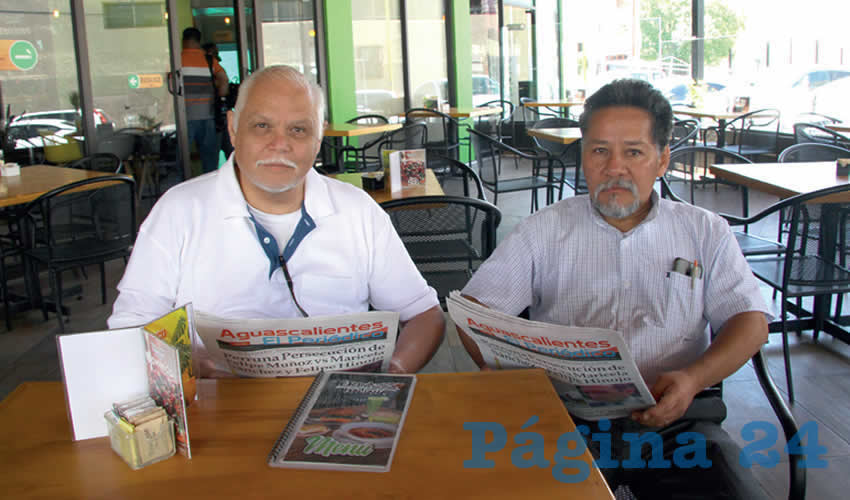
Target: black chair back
<point>82,223</point>
<point>410,136</point>
<point>442,135</point>
<point>811,132</point>
<point>468,176</point>
<point>101,162</point>
<point>811,151</point>
<point>447,237</point>
<point>684,133</point>
<point>691,163</point>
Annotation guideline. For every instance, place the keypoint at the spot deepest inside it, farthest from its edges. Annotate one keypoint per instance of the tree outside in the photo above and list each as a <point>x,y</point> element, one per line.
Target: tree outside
<point>674,19</point>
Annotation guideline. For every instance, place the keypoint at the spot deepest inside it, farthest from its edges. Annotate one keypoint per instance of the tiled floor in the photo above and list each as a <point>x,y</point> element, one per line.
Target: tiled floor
<point>28,352</point>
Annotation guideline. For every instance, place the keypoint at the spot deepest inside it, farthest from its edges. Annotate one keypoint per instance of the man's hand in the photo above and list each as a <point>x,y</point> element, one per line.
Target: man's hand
<point>674,392</point>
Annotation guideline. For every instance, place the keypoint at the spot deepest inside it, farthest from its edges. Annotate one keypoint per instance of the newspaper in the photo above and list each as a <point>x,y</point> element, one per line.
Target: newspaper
<point>299,346</point>
<point>590,368</point>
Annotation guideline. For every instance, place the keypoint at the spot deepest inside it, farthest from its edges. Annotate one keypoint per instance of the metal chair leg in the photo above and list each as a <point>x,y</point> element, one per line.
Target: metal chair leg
<point>56,283</point>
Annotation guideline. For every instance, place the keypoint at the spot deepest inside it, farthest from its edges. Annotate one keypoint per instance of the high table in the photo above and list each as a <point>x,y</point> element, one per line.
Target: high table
<point>565,135</point>
<point>790,179</point>
<point>430,188</point>
<point>236,421</point>
<point>839,127</point>
<point>337,131</point>
<point>721,117</point>
<point>563,105</point>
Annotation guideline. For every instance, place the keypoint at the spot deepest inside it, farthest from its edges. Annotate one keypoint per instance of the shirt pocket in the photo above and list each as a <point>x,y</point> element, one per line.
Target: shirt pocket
<point>684,303</point>
<point>320,295</point>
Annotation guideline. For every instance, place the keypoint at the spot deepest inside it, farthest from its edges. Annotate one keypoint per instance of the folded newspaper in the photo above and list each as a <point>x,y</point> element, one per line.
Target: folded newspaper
<point>292,347</point>
<point>591,368</point>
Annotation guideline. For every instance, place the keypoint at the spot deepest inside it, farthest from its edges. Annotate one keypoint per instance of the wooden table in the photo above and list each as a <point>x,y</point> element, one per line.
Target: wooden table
<point>354,129</point>
<point>783,179</point>
<point>565,135</point>
<point>790,179</point>
<point>236,421</point>
<point>431,188</point>
<point>563,105</point>
<point>36,180</point>
<point>721,117</point>
<point>337,131</point>
<point>839,127</point>
<point>459,112</point>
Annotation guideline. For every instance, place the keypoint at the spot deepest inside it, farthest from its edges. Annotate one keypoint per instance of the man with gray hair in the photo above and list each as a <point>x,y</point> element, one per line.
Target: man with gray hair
<point>266,236</point>
<point>611,259</point>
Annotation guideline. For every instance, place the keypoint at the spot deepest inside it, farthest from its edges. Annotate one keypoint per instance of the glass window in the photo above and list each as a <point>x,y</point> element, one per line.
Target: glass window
<point>606,40</point>
<point>517,54</point>
<point>378,73</point>
<point>426,21</point>
<point>39,77</point>
<point>796,63</point>
<point>547,26</point>
<point>289,35</point>
<point>484,35</point>
<point>128,67</point>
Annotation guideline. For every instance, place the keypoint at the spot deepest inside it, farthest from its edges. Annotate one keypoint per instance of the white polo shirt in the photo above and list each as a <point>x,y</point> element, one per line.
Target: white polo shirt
<point>199,245</point>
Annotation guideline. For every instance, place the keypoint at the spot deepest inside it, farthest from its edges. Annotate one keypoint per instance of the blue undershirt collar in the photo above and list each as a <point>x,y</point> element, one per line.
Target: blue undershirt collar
<point>269,243</point>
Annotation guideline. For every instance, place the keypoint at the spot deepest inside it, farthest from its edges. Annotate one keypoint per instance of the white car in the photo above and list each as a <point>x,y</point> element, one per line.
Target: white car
<point>484,89</point>
<point>68,115</point>
<point>29,132</point>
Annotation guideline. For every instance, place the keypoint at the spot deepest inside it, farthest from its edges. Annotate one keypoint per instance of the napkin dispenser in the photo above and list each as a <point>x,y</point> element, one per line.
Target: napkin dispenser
<point>842,167</point>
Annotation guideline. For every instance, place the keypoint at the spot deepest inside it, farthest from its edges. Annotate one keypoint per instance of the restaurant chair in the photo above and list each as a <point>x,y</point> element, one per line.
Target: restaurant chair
<point>447,237</point>
<point>797,470</point>
<point>810,132</point>
<point>816,118</point>
<point>467,176</point>
<point>560,152</point>
<point>752,134</point>
<point>82,223</point>
<point>536,113</point>
<point>500,127</point>
<point>362,160</point>
<point>685,133</point>
<point>442,137</point>
<point>813,151</point>
<point>685,161</point>
<point>801,270</point>
<point>750,244</point>
<point>808,152</point>
<point>99,162</point>
<point>410,136</point>
<point>489,150</point>
<point>9,249</point>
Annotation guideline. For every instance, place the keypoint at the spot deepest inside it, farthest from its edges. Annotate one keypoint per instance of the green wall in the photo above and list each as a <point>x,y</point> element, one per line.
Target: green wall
<point>339,45</point>
<point>462,59</point>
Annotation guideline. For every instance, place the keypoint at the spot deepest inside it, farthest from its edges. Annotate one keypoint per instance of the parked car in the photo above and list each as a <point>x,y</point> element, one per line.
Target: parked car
<point>484,89</point>
<point>28,132</point>
<point>68,115</point>
<point>378,101</point>
<point>680,94</point>
<point>831,99</point>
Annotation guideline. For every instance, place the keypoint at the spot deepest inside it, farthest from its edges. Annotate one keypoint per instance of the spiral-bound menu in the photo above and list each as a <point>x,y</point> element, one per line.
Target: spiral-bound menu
<point>349,421</point>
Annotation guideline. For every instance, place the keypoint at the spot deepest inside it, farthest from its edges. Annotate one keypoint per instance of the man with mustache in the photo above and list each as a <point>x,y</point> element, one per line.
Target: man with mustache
<point>606,260</point>
<point>266,236</point>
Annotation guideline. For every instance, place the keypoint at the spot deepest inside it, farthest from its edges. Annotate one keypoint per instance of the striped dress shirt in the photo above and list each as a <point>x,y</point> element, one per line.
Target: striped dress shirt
<point>571,267</point>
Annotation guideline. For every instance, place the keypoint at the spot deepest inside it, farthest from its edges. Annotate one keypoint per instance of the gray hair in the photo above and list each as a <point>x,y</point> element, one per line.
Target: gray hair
<point>638,94</point>
<point>283,74</point>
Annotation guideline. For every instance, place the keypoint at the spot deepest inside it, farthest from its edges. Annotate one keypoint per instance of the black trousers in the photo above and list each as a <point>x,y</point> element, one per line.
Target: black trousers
<point>726,478</point>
